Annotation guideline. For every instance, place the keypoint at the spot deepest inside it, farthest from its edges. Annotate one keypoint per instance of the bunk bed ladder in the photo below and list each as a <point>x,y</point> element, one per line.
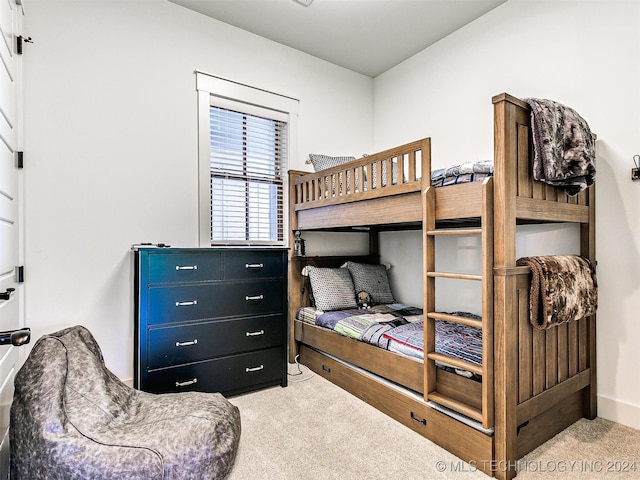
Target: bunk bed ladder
<point>485,414</point>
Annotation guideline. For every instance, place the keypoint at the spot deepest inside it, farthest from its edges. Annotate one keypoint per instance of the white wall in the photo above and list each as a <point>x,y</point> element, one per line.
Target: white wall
<point>111,144</point>
<point>585,54</point>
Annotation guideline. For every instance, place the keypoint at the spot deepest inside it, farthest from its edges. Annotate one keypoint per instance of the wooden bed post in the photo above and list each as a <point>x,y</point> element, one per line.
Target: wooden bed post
<point>505,333</point>
<point>487,239</point>
<point>295,281</point>
<point>588,249</point>
<point>425,165</point>
<point>374,241</point>
<point>428,265</point>
<point>428,287</point>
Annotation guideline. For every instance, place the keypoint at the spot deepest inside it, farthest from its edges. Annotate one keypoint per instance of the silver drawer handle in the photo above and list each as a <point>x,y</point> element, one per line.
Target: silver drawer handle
<point>187,383</point>
<point>187,344</point>
<point>186,304</point>
<point>255,297</point>
<point>254,265</point>
<point>254,369</point>
<point>186,267</point>
<point>254,334</point>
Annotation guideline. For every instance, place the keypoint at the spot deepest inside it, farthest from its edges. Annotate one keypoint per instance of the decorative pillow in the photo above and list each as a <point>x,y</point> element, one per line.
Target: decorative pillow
<point>322,162</point>
<point>385,179</point>
<point>332,288</point>
<point>372,279</point>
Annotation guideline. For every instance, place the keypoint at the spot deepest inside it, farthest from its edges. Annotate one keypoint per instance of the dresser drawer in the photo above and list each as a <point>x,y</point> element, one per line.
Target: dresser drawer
<point>192,343</point>
<point>180,303</point>
<point>257,264</point>
<point>226,375</point>
<point>184,267</point>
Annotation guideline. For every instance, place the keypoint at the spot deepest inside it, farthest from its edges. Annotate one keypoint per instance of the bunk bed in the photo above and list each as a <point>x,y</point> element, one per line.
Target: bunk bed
<point>534,383</point>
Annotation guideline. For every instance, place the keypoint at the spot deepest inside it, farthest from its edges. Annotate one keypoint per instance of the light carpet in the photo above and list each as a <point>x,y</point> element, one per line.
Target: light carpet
<point>313,429</point>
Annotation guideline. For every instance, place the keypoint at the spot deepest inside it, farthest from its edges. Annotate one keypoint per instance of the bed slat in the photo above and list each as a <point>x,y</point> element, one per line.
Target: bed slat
<point>563,353</point>
<point>551,356</point>
<point>526,369</point>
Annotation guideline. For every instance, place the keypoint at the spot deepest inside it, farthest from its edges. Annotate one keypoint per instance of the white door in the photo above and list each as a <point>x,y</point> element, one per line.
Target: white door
<point>10,212</point>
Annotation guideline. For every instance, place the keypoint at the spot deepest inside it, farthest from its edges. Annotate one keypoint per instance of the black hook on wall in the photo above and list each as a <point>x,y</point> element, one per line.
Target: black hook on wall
<point>635,172</point>
<point>20,40</point>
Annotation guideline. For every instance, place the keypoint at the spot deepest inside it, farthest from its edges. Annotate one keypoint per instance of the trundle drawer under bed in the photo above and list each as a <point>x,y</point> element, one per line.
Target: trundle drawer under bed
<point>407,408</point>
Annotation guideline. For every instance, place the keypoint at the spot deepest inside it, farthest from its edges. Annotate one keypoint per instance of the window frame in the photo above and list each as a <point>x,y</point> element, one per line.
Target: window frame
<point>223,93</point>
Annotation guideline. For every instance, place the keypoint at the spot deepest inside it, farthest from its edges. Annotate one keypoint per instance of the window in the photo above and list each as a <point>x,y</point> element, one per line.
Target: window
<point>245,142</point>
<point>248,164</point>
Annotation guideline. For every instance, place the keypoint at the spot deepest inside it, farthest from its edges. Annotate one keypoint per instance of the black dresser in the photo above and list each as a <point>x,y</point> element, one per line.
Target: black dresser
<point>210,319</point>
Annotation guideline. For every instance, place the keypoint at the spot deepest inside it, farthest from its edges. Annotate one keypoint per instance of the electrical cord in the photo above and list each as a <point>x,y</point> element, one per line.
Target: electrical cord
<point>300,372</point>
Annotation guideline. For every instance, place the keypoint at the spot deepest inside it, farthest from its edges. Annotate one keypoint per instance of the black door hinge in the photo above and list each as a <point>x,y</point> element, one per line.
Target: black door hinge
<point>19,159</point>
<point>19,41</point>
<point>19,271</point>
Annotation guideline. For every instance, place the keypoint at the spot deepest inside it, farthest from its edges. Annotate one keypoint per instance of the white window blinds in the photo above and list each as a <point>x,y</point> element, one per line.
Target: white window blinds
<point>248,157</point>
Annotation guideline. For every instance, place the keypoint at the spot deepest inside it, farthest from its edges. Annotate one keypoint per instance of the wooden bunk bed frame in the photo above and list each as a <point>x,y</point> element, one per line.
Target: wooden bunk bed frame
<point>534,383</point>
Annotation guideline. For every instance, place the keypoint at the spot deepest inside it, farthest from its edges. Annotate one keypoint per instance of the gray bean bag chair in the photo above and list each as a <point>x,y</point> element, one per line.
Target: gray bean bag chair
<point>71,418</point>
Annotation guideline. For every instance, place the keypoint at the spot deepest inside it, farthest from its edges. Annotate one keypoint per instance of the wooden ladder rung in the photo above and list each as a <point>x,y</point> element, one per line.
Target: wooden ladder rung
<point>459,231</point>
<point>470,322</point>
<point>459,407</point>
<point>457,276</point>
<point>455,362</point>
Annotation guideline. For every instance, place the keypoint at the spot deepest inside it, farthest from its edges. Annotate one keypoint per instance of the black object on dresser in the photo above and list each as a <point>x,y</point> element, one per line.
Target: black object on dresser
<point>210,319</point>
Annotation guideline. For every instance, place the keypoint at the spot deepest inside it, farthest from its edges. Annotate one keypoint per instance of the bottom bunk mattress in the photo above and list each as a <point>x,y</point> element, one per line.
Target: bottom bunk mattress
<point>399,328</point>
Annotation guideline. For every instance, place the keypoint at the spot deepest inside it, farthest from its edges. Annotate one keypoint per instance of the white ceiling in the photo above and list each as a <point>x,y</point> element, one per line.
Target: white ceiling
<point>366,36</point>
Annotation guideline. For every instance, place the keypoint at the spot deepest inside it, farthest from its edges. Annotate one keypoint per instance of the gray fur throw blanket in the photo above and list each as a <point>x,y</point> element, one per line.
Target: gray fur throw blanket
<point>564,148</point>
<point>564,288</point>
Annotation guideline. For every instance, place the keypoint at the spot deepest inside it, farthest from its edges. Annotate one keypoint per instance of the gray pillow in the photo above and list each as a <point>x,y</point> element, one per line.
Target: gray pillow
<point>332,288</point>
<point>322,162</point>
<point>372,279</point>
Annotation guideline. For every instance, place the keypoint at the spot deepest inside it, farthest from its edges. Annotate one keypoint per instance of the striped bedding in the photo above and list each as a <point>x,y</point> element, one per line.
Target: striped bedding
<point>463,173</point>
<point>399,328</point>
